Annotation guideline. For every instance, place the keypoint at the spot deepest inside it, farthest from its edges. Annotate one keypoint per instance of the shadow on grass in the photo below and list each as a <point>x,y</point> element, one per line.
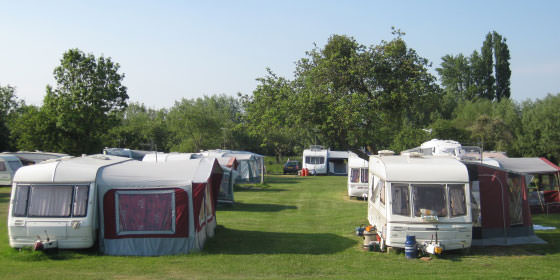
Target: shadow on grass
<point>256,188</point>
<point>5,197</point>
<point>253,207</point>
<point>240,242</point>
<point>288,179</point>
<point>27,254</point>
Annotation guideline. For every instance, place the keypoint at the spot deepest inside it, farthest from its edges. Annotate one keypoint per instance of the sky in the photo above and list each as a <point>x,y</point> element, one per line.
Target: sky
<point>169,50</point>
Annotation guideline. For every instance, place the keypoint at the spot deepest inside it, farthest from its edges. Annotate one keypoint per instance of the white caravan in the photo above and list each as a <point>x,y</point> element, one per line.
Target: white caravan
<point>422,196</point>
<point>358,176</point>
<point>9,164</point>
<point>55,203</point>
<point>315,160</point>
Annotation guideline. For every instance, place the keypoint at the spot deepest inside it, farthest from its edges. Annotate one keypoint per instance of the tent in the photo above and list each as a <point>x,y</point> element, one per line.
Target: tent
<point>250,165</point>
<point>157,208</point>
<point>546,195</point>
<point>57,200</point>
<point>500,208</point>
<point>228,164</point>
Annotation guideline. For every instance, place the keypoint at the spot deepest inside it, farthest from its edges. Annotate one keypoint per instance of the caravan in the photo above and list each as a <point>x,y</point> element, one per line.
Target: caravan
<point>320,161</point>
<point>9,164</point>
<point>54,204</point>
<point>358,176</point>
<point>425,197</point>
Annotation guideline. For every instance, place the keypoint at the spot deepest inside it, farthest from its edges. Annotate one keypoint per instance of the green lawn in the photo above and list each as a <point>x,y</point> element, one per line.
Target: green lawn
<point>290,227</point>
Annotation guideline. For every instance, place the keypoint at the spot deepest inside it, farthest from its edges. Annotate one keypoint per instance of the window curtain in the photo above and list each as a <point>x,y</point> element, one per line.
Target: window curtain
<point>50,201</point>
<point>457,203</point>
<point>355,175</point>
<point>80,201</point>
<point>364,175</point>
<point>145,212</point>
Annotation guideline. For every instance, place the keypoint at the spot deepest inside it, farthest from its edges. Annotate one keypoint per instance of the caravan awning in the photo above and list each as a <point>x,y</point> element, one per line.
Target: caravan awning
<point>528,165</point>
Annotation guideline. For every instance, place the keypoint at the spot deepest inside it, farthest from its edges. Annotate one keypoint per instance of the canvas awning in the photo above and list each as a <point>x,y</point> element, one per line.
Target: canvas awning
<point>528,165</point>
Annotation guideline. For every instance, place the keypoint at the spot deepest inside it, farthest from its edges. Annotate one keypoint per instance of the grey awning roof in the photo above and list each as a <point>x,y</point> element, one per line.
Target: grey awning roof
<point>528,165</point>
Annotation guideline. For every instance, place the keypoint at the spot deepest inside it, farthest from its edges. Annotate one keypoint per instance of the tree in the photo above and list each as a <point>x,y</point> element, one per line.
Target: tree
<point>485,68</point>
<point>202,123</point>
<point>270,117</point>
<point>10,105</point>
<point>85,103</point>
<point>356,96</point>
<point>540,136</point>
<point>140,128</point>
<point>502,71</point>
<point>482,75</point>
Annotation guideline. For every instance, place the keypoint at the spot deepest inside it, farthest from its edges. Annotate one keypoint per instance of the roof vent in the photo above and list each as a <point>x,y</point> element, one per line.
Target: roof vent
<point>385,153</point>
<point>412,154</point>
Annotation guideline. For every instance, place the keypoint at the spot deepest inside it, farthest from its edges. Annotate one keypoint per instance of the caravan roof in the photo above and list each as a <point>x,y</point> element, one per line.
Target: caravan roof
<point>73,169</point>
<point>418,169</point>
<point>147,174</point>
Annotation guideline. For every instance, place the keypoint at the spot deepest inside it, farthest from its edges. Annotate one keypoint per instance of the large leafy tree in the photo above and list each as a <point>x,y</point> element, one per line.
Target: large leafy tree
<point>10,106</point>
<point>270,116</point>
<point>355,96</point>
<point>540,135</point>
<point>140,128</point>
<point>85,102</point>
<point>203,123</point>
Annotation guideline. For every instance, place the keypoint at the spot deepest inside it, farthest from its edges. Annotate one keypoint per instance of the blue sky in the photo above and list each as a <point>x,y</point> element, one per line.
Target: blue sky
<point>170,50</point>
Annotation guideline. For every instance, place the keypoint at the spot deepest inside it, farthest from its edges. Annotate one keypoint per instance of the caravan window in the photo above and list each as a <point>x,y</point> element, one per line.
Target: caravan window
<point>429,199</point>
<point>145,212</point>
<point>80,201</point>
<point>457,203</point>
<point>364,175</point>
<point>50,201</point>
<point>314,160</point>
<point>381,187</point>
<point>355,175</point>
<point>359,175</point>
<point>2,166</point>
<point>20,201</point>
<point>14,165</point>
<point>400,199</point>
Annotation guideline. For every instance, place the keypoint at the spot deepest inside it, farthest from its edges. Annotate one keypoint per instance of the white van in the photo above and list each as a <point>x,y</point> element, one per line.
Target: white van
<point>55,203</point>
<point>422,196</point>
<point>9,164</point>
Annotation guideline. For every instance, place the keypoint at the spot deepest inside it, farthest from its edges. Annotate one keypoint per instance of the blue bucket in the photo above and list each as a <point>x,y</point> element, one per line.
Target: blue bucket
<point>410,247</point>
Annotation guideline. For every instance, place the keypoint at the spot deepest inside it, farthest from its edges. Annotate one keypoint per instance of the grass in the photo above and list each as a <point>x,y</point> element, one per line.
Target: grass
<point>289,227</point>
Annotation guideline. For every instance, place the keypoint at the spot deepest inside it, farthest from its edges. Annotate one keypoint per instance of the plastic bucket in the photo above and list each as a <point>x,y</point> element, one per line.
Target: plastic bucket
<point>410,247</point>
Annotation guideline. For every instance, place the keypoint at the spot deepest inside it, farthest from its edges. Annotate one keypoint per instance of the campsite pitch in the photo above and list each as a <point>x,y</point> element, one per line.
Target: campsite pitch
<point>289,227</point>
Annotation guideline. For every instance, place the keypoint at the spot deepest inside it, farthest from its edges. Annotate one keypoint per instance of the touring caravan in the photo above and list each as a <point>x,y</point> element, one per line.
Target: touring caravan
<point>322,161</point>
<point>9,164</point>
<point>422,196</point>
<point>152,209</point>
<point>358,176</point>
<point>28,158</point>
<point>315,160</point>
<point>54,203</point>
